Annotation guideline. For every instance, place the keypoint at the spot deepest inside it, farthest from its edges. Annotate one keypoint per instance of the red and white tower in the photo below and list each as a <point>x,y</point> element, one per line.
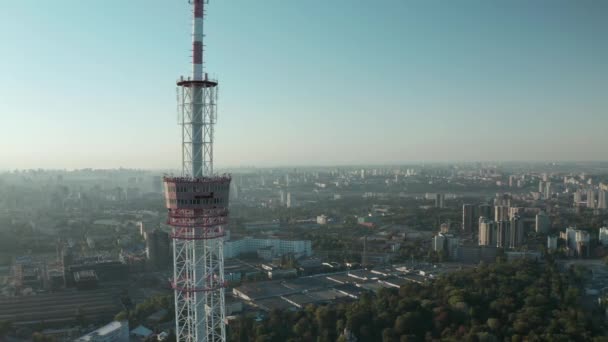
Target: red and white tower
<point>197,204</point>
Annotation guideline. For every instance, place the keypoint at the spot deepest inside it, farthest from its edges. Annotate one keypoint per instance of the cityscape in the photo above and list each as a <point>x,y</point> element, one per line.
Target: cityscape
<point>456,248</point>
<point>84,247</point>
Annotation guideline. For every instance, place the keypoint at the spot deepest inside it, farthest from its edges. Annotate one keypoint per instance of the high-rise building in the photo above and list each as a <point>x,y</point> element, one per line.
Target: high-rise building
<point>551,243</point>
<point>541,187</point>
<point>542,223</point>
<point>157,184</point>
<point>516,232</point>
<point>591,199</point>
<point>502,234</point>
<point>570,237</point>
<point>548,190</point>
<point>602,199</point>
<point>502,200</point>
<point>444,228</point>
<point>439,200</point>
<point>439,242</point>
<point>289,202</point>
<point>582,243</point>
<point>234,191</point>
<point>158,251</point>
<point>501,213</point>
<point>448,244</point>
<point>515,211</point>
<point>487,231</point>
<point>603,236</point>
<point>484,210</point>
<point>469,217</point>
<point>578,197</point>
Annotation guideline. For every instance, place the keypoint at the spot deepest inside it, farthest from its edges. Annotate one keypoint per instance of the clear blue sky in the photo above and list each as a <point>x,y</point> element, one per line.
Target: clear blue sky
<point>92,83</point>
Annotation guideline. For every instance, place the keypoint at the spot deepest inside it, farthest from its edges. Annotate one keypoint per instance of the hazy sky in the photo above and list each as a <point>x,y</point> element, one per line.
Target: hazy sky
<point>92,83</point>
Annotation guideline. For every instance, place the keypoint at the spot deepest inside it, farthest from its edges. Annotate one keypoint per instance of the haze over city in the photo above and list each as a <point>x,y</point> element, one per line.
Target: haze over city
<point>91,84</point>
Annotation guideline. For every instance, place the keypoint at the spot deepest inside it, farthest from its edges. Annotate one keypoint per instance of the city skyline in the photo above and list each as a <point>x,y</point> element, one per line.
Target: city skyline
<point>393,83</point>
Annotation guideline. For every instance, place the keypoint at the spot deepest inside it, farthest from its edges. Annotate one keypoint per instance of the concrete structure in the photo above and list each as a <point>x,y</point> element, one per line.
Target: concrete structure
<point>322,220</point>
<point>290,201</point>
<point>501,213</point>
<point>274,247</point>
<point>484,210</point>
<point>475,254</point>
<point>542,223</point>
<point>439,200</point>
<point>63,306</point>
<point>570,237</point>
<point>487,232</point>
<point>469,218</point>
<point>582,243</point>
<point>529,255</point>
<point>603,236</point>
<point>548,190</point>
<point>591,199</point>
<point>515,211</point>
<point>578,197</point>
<point>438,242</point>
<point>503,234</point>
<point>113,332</point>
<point>577,241</point>
<point>516,232</point>
<point>447,244</point>
<point>551,243</point>
<point>158,251</point>
<point>602,199</point>
<point>197,205</point>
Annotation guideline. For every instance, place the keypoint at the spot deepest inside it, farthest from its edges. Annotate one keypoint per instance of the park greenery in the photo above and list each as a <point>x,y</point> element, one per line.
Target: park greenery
<point>521,301</point>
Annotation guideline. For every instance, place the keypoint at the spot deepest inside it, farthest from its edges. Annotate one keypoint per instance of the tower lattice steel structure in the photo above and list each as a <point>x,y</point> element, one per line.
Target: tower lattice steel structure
<point>197,205</point>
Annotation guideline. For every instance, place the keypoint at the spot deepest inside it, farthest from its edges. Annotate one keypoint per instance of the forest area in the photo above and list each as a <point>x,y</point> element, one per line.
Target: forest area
<point>521,301</point>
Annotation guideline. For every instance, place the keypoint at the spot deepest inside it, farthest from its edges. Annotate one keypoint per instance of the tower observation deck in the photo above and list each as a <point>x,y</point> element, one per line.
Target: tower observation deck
<point>197,204</point>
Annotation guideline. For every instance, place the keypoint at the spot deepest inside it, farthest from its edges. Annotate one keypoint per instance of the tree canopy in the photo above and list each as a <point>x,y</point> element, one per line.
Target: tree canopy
<point>522,301</point>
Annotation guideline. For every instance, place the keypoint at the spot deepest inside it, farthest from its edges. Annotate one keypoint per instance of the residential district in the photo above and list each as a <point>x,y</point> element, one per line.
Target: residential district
<point>87,255</point>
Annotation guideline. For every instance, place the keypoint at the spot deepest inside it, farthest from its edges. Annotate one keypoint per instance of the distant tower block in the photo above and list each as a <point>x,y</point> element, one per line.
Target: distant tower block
<point>197,204</point>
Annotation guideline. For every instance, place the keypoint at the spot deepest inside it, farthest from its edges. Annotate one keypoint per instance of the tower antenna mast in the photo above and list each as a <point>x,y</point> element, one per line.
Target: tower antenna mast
<point>197,204</point>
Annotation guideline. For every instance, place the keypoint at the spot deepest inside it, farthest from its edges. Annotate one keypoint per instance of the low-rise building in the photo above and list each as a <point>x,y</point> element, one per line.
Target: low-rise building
<point>267,248</point>
<point>113,332</point>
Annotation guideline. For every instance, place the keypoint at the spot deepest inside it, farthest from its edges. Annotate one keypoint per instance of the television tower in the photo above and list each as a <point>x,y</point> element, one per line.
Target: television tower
<point>197,205</point>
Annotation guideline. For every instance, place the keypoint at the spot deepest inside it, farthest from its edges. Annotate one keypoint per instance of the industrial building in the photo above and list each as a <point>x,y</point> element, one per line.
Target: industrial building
<point>98,304</point>
<point>295,294</point>
<point>267,248</point>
